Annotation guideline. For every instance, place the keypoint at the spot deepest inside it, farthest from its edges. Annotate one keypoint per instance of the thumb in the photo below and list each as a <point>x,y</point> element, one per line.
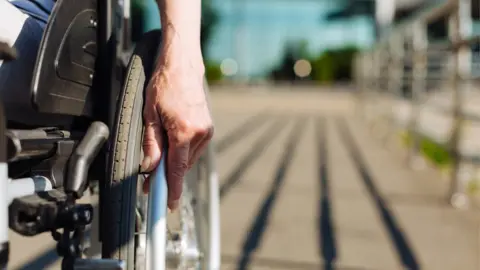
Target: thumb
<point>152,142</point>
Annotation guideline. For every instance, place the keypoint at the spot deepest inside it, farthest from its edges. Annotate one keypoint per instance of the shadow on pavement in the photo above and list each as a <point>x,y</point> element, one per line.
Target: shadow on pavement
<point>258,147</point>
<point>270,263</point>
<point>326,229</point>
<point>405,252</point>
<point>240,131</point>
<point>43,261</point>
<point>258,227</point>
<point>50,256</point>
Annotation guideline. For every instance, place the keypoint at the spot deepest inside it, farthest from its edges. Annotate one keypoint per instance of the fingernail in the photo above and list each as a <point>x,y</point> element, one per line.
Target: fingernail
<point>146,164</point>
<point>173,205</point>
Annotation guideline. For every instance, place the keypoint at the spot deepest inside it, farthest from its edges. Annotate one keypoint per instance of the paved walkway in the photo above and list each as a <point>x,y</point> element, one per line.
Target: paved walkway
<point>305,186</point>
<point>313,190</point>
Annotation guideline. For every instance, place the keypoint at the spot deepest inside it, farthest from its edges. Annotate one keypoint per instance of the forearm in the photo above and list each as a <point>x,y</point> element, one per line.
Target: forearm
<point>181,28</point>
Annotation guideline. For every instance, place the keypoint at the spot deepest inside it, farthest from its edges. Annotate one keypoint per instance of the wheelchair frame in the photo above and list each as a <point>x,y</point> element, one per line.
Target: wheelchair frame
<point>113,48</point>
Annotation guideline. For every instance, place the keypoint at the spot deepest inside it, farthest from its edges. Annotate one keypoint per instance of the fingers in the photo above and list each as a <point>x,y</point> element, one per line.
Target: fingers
<point>152,141</point>
<point>177,166</point>
<point>197,141</point>
<point>202,142</point>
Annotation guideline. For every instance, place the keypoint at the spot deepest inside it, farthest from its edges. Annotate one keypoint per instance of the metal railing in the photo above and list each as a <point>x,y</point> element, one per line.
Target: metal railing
<point>405,80</point>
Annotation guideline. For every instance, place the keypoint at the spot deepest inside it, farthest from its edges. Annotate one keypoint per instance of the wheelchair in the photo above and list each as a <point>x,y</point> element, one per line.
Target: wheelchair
<point>90,76</point>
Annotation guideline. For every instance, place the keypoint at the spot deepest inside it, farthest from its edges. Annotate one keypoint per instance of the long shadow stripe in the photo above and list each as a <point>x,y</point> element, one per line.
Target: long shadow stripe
<point>259,146</point>
<point>404,250</point>
<point>327,241</point>
<point>283,264</point>
<point>257,229</point>
<point>240,131</point>
<point>42,261</point>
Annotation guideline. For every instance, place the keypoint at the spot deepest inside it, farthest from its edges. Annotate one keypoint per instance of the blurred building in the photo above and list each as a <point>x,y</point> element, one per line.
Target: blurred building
<point>386,13</point>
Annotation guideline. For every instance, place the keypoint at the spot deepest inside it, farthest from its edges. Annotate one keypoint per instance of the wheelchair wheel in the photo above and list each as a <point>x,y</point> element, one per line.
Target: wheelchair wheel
<point>118,200</point>
<point>123,205</point>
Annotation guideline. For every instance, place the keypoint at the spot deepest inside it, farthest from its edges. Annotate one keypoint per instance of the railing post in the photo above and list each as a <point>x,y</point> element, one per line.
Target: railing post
<point>419,74</point>
<point>361,82</point>
<point>382,61</point>
<point>399,53</point>
<point>372,84</point>
<point>460,25</point>
<point>375,85</point>
<point>395,74</point>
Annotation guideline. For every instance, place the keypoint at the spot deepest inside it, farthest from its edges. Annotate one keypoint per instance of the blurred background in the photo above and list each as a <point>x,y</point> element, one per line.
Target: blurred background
<point>253,41</point>
<point>308,41</point>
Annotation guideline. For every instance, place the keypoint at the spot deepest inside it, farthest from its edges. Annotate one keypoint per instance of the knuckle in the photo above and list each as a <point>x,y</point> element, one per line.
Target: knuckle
<point>183,131</point>
<point>179,139</point>
<point>148,143</point>
<point>179,169</point>
<point>205,129</point>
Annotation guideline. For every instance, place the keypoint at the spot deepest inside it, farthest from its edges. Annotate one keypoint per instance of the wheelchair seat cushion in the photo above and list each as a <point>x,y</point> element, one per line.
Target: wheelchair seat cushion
<point>24,34</point>
<point>37,9</point>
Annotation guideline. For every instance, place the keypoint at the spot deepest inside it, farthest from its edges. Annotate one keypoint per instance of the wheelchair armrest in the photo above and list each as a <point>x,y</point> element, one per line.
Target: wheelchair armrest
<point>65,66</point>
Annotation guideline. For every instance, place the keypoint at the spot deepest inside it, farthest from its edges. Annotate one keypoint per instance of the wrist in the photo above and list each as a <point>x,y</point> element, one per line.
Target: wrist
<point>180,33</point>
<point>180,50</point>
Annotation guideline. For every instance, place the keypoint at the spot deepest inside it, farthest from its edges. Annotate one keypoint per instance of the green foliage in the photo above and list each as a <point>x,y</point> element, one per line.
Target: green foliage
<point>285,70</point>
<point>145,17</point>
<point>439,156</point>
<point>331,65</point>
<point>334,65</point>
<point>213,72</point>
<point>209,22</point>
<point>431,150</point>
<point>342,62</point>
<point>322,70</point>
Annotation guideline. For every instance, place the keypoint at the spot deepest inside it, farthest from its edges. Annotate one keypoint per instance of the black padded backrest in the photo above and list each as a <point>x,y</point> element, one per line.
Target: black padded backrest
<point>63,76</point>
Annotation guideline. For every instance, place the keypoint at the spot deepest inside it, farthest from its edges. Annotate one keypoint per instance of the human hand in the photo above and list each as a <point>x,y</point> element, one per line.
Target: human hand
<point>176,107</point>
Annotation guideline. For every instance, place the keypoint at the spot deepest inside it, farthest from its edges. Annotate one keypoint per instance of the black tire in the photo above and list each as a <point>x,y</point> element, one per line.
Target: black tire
<point>119,198</point>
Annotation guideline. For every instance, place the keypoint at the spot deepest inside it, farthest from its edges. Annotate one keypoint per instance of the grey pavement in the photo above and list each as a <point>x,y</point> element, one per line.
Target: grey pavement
<point>305,186</point>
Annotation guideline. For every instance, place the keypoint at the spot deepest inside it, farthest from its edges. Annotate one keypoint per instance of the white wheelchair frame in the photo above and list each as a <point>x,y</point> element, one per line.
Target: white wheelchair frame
<point>157,218</point>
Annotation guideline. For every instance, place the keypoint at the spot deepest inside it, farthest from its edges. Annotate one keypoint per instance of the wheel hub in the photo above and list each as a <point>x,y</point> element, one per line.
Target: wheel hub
<point>182,250</point>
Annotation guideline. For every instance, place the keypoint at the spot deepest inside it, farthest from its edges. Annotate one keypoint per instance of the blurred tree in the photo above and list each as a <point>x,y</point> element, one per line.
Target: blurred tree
<point>285,70</point>
<point>332,65</point>
<point>301,49</point>
<point>322,68</point>
<point>213,71</point>
<point>343,59</point>
<point>145,17</point>
<point>210,19</point>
